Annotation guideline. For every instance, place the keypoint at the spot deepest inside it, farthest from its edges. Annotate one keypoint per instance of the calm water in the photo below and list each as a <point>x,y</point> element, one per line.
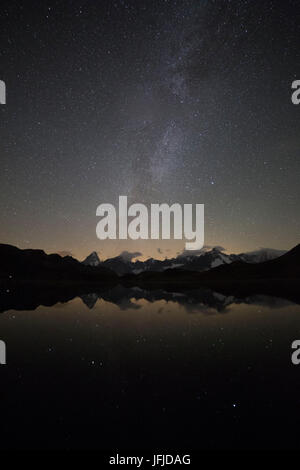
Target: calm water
<point>139,371</point>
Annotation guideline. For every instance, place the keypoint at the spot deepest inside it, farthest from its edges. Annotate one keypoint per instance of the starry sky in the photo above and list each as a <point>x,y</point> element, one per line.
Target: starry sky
<point>163,101</point>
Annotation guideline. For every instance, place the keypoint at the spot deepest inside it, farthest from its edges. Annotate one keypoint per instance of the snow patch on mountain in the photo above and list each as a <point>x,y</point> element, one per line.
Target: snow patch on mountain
<point>217,262</point>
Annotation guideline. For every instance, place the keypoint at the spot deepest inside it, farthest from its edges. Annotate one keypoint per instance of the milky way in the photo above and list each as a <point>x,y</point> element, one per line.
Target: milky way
<point>165,101</point>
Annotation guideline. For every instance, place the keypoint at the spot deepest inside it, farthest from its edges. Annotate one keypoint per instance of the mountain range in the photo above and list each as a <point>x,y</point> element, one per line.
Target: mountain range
<point>199,262</point>
<point>36,265</point>
<point>213,265</point>
<point>281,274</point>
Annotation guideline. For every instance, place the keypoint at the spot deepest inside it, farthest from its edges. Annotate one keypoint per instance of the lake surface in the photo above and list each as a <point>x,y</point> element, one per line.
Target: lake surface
<point>138,370</point>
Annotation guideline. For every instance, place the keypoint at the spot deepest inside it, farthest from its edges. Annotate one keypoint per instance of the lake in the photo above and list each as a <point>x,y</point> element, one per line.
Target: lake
<point>131,369</point>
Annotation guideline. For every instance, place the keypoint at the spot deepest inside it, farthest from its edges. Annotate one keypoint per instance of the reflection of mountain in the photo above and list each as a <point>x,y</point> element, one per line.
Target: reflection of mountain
<point>89,299</point>
<point>203,300</point>
<point>193,300</point>
<point>30,278</point>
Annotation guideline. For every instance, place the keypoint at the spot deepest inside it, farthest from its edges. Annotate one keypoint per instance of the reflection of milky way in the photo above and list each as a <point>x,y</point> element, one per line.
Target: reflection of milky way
<point>185,101</point>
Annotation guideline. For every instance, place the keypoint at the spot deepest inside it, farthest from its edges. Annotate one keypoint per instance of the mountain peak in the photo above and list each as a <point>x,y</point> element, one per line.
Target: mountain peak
<point>261,255</point>
<point>92,259</point>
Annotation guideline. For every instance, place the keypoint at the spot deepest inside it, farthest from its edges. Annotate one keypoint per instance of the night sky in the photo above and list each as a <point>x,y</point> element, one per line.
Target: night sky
<point>163,101</point>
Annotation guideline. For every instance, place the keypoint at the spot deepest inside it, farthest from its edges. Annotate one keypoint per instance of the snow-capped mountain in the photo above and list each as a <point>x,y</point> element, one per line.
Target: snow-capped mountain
<point>92,260</point>
<point>199,262</point>
<point>206,260</point>
<point>119,264</point>
<point>263,254</point>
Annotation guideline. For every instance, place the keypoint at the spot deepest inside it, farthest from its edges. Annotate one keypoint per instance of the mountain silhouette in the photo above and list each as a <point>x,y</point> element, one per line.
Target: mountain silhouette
<point>28,264</point>
<point>36,265</point>
<point>189,261</point>
<point>286,266</point>
<point>31,277</point>
<point>279,277</point>
<point>92,260</point>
